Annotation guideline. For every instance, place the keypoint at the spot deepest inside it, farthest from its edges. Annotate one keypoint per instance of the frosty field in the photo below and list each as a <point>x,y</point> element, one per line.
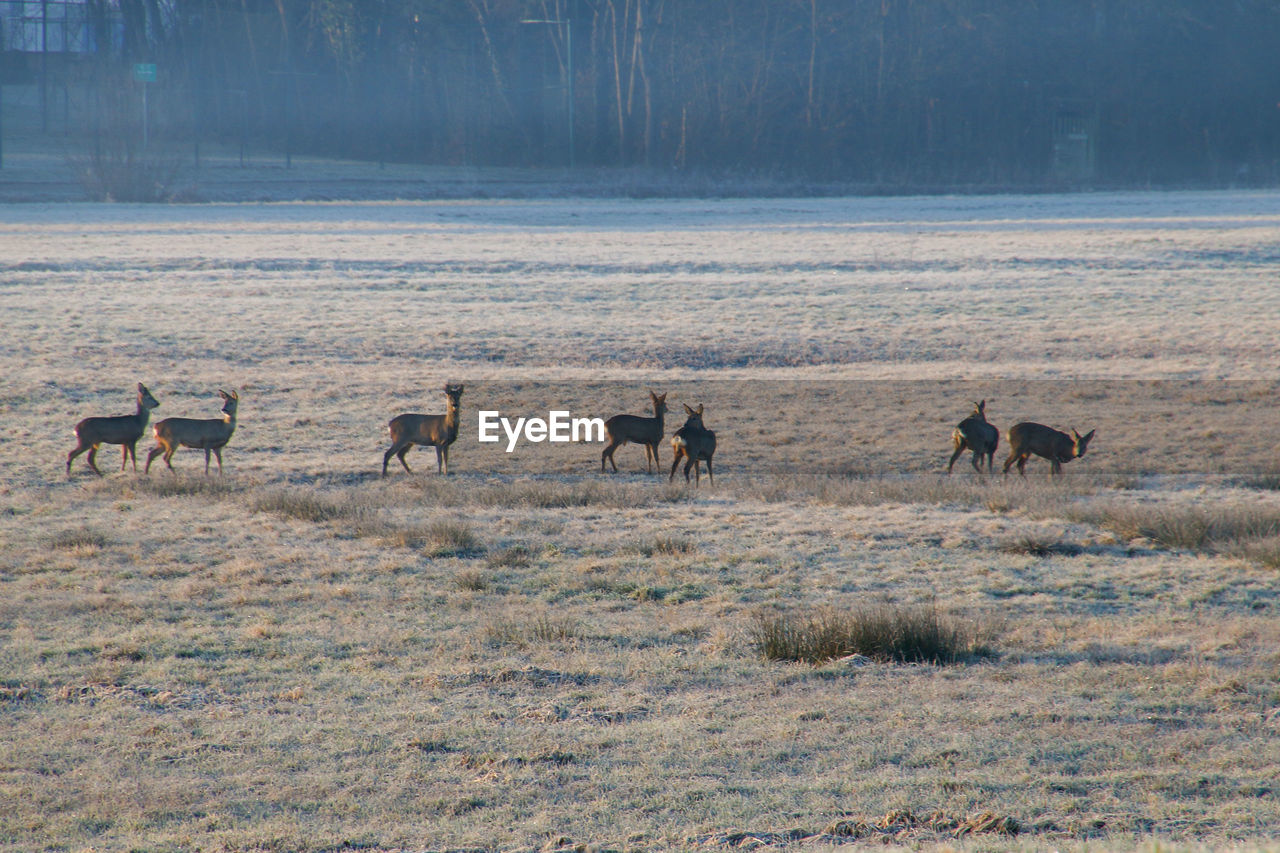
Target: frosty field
<point>528,654</point>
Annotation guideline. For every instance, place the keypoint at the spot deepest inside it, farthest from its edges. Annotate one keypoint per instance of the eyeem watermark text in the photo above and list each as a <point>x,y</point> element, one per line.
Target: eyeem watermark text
<point>558,427</point>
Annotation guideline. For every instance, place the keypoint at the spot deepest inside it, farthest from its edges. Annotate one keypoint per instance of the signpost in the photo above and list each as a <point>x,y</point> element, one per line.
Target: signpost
<point>144,73</point>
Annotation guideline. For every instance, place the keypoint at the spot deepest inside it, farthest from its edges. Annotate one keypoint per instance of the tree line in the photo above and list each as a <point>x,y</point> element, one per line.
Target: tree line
<point>891,93</point>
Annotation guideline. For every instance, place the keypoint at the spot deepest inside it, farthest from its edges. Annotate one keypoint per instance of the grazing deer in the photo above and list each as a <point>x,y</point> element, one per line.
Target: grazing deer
<point>210,435</point>
<point>1058,447</point>
<point>647,431</point>
<point>124,430</point>
<point>438,431</point>
<point>693,442</point>
<point>974,433</point>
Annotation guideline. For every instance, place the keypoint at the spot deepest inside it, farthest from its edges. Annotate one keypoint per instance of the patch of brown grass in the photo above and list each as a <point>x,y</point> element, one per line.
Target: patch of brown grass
<point>917,634</point>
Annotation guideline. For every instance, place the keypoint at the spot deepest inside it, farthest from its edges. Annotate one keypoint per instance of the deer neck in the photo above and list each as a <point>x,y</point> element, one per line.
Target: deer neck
<point>451,420</point>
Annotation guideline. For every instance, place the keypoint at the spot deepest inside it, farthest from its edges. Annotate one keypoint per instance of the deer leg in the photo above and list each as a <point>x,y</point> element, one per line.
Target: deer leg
<point>206,461</point>
<point>674,462</point>
<point>710,477</point>
<point>72,455</point>
<point>442,460</point>
<point>400,454</point>
<point>1009,461</point>
<point>955,456</point>
<point>92,457</point>
<point>217,452</point>
<point>977,463</point>
<point>386,457</point>
<point>1022,464</point>
<point>155,451</point>
<point>608,452</point>
<point>1055,468</point>
<point>124,454</point>
<point>168,457</point>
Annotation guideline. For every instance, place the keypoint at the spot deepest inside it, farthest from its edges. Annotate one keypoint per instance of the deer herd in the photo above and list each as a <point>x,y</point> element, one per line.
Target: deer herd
<point>693,443</point>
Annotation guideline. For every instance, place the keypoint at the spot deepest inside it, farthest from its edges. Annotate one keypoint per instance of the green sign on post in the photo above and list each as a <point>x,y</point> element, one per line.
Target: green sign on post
<point>145,72</point>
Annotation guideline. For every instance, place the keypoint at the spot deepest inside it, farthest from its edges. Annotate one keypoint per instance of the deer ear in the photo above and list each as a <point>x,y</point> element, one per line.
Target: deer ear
<point>1089,436</point>
<point>687,409</point>
<point>699,410</point>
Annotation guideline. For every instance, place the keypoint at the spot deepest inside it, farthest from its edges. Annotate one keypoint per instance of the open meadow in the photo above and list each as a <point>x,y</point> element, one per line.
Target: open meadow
<point>302,655</point>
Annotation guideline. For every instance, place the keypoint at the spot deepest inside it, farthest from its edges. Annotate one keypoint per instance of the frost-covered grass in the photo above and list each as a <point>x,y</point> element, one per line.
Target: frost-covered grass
<point>303,655</point>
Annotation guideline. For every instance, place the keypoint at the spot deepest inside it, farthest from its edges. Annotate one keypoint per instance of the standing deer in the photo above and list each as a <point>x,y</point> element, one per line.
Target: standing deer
<point>974,433</point>
<point>124,430</point>
<point>210,435</point>
<point>1058,447</point>
<point>633,428</point>
<point>438,431</point>
<point>693,442</point>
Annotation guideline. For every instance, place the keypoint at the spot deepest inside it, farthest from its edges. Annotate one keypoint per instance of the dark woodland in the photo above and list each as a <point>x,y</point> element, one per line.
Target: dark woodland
<point>886,93</point>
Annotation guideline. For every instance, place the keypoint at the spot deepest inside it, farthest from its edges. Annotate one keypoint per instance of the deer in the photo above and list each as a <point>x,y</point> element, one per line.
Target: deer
<point>1027,438</point>
<point>640,430</point>
<point>210,435</point>
<point>693,442</point>
<point>438,431</point>
<point>124,430</point>
<point>974,433</point>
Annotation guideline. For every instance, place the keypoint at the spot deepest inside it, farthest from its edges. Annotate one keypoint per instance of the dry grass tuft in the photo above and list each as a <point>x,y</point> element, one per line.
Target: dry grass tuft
<point>306,506</point>
<point>1263,552</point>
<point>524,631</point>
<point>892,634</point>
<point>442,539</point>
<point>665,545</point>
<point>1037,546</point>
<point>177,486</point>
<point>548,494</point>
<point>472,580</point>
<point>898,823</point>
<point>79,539</point>
<point>513,557</point>
<point>1220,528</point>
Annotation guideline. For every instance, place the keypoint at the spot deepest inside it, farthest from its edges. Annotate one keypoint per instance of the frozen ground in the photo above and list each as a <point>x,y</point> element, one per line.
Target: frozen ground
<point>1124,285</point>
<point>529,654</point>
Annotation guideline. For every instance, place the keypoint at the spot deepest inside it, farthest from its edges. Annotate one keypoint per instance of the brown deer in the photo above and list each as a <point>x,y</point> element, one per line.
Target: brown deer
<point>693,442</point>
<point>633,428</point>
<point>1058,447</point>
<point>438,431</point>
<point>209,435</point>
<point>974,433</point>
<point>124,430</point>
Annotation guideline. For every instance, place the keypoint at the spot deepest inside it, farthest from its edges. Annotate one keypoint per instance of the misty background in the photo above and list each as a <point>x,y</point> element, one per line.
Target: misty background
<point>909,94</point>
